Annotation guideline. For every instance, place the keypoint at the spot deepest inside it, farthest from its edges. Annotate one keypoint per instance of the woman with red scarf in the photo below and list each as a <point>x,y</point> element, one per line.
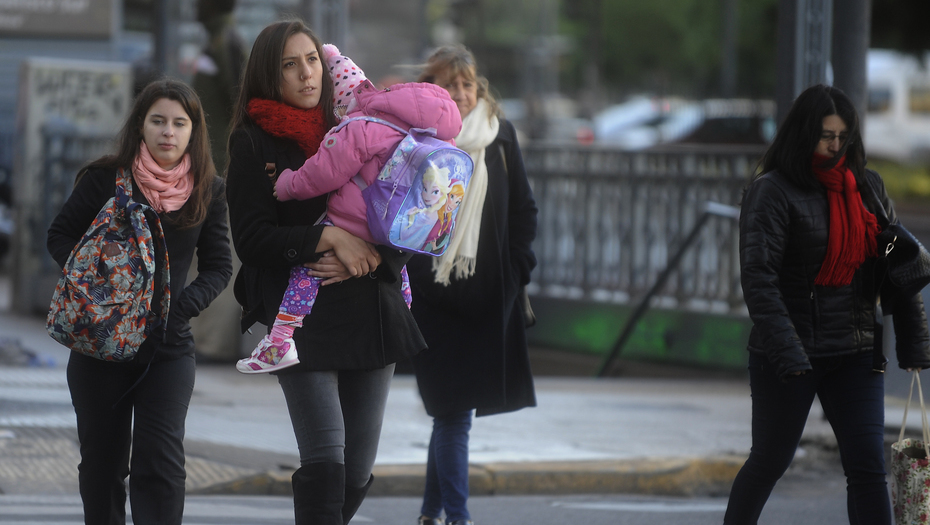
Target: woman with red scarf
<point>360,325</point>
<point>807,258</point>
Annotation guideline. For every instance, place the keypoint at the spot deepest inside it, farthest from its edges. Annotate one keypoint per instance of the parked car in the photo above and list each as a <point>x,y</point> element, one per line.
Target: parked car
<point>643,122</point>
<point>897,120</point>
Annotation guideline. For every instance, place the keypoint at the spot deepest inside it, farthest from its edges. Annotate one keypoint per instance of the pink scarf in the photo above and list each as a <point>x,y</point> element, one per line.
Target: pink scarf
<point>166,190</point>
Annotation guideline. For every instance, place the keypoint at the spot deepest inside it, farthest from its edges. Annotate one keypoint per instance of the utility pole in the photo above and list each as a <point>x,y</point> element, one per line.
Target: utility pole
<point>728,66</point>
<point>329,19</point>
<point>853,20</point>
<point>803,46</point>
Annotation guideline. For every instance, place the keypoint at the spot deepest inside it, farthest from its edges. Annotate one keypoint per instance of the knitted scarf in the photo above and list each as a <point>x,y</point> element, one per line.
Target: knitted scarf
<point>166,190</point>
<point>479,129</point>
<point>306,127</point>
<point>853,228</point>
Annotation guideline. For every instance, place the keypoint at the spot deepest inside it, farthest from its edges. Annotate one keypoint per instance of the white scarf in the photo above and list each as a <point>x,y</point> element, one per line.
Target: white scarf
<point>479,129</point>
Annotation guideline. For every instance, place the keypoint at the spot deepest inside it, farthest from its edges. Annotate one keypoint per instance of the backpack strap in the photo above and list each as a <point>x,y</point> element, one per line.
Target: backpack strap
<point>419,131</point>
<point>153,221</point>
<point>357,179</point>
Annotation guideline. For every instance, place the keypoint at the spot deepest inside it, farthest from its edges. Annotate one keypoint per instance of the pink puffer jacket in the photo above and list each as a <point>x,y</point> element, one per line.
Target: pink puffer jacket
<point>362,147</point>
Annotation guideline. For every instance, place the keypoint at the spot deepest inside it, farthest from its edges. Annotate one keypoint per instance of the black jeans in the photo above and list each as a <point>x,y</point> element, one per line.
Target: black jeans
<point>337,417</point>
<point>149,420</point>
<point>852,396</point>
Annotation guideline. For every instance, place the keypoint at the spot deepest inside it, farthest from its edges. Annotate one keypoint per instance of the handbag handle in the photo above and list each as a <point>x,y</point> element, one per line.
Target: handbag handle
<point>923,413</point>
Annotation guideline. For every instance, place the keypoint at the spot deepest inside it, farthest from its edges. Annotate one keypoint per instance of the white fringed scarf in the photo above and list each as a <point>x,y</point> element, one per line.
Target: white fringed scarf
<point>479,129</point>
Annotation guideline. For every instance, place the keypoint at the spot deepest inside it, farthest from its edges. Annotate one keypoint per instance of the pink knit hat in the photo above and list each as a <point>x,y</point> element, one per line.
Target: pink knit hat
<point>346,75</point>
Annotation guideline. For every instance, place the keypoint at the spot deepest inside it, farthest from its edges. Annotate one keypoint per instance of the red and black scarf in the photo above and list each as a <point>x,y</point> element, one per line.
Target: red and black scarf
<point>853,228</point>
<point>306,127</point>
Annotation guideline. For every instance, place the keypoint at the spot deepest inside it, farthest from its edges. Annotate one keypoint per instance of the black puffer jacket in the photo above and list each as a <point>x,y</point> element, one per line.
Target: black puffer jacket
<point>783,242</point>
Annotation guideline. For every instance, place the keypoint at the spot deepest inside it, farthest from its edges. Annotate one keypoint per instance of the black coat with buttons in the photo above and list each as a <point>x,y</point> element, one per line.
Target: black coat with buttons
<point>783,242</point>
<point>358,324</point>
<point>477,356</point>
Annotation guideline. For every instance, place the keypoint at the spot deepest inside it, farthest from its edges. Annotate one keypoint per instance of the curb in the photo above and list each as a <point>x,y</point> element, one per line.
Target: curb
<point>651,476</point>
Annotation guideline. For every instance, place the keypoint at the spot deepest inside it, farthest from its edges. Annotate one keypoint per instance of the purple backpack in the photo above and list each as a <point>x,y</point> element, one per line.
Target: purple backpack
<point>413,203</point>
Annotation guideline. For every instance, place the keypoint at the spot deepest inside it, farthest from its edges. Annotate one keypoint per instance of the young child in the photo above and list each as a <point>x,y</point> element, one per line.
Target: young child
<point>359,147</point>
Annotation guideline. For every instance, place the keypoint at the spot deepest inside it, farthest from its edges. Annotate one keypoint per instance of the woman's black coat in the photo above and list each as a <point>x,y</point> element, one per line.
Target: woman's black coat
<point>783,242</point>
<point>209,238</point>
<point>477,356</point>
<point>360,323</point>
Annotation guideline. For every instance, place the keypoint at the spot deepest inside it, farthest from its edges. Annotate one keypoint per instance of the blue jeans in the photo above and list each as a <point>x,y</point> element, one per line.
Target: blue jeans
<point>337,417</point>
<point>852,396</point>
<point>447,468</point>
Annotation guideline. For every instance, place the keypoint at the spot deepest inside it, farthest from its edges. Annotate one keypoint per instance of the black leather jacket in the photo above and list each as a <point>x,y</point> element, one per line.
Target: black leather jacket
<point>783,242</point>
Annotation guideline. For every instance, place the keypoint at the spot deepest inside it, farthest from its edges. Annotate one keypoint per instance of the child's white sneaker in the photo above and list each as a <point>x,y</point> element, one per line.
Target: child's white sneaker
<point>269,356</point>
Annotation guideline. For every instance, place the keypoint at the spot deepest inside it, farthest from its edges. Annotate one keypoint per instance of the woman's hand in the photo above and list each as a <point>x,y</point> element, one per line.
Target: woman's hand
<point>358,256</point>
<point>330,268</point>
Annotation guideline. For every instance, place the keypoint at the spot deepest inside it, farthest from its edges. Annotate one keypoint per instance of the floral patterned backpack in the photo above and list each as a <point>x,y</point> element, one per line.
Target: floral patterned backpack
<point>102,304</point>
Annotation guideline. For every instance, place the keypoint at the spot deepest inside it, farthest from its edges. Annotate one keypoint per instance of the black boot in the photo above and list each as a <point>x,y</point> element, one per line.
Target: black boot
<point>319,493</point>
<point>354,498</point>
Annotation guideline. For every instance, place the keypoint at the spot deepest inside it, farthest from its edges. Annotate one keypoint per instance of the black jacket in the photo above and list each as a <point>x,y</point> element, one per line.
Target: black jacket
<point>360,323</point>
<point>209,238</point>
<point>783,242</point>
<point>477,356</point>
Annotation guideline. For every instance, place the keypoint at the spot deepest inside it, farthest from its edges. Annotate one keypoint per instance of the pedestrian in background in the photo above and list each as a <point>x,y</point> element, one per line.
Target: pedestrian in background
<point>360,324</point>
<point>466,301</point>
<point>131,415</point>
<point>217,75</point>
<point>807,260</point>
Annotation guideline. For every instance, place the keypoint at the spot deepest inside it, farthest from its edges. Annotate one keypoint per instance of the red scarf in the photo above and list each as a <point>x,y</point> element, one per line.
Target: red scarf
<point>306,127</point>
<point>852,227</point>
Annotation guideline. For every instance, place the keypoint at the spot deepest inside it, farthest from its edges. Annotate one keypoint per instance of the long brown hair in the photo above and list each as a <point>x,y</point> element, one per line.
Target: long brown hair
<point>130,137</point>
<point>456,60</point>
<point>263,73</point>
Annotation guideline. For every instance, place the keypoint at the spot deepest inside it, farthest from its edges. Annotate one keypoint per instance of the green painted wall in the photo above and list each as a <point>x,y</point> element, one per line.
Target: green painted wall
<point>672,336</point>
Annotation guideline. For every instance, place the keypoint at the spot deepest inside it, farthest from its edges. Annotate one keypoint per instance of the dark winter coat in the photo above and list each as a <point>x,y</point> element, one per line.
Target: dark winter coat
<point>209,238</point>
<point>360,323</point>
<point>477,356</point>
<point>783,242</point>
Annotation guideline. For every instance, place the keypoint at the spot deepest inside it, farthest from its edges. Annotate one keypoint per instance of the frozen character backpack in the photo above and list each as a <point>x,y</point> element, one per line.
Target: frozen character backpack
<point>405,200</point>
<point>102,304</point>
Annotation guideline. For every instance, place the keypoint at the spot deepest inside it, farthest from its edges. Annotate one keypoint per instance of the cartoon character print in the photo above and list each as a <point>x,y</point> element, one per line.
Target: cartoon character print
<point>441,234</point>
<point>419,220</point>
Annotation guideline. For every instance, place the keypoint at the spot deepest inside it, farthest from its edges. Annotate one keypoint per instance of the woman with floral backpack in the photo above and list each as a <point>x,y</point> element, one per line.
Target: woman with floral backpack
<point>131,415</point>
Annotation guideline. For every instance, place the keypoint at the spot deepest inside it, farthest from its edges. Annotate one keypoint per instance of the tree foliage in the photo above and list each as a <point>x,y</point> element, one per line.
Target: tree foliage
<point>670,46</point>
<point>901,25</point>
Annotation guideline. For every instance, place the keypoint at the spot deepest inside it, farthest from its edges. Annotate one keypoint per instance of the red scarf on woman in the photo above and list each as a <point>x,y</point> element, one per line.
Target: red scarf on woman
<point>306,127</point>
<point>853,228</point>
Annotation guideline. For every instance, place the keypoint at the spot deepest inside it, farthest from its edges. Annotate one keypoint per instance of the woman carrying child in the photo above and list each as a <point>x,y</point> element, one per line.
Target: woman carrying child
<point>348,344</point>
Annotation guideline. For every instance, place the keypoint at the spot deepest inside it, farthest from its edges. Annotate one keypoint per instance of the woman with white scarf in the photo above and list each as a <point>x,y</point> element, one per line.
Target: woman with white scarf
<point>465,302</point>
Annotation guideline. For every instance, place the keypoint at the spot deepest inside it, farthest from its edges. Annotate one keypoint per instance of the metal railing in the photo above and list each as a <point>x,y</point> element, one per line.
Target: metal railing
<point>610,220</point>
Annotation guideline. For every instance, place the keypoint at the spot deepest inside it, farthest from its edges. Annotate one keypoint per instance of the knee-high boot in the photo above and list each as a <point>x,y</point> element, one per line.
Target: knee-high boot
<point>319,493</point>
<point>354,498</point>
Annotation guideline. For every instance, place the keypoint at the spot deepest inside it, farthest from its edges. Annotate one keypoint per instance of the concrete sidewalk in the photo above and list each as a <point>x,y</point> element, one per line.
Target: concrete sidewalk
<point>681,436</point>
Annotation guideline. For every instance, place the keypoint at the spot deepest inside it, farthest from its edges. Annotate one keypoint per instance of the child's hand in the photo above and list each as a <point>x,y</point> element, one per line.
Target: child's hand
<point>280,181</point>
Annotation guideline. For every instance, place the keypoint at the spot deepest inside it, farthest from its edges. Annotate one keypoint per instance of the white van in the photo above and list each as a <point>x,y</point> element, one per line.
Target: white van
<point>897,121</point>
